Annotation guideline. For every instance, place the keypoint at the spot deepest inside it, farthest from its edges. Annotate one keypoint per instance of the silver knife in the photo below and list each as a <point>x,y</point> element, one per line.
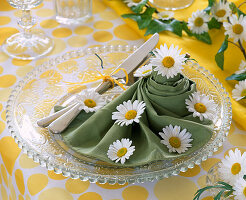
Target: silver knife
<point>129,64</point>
<point>132,62</point>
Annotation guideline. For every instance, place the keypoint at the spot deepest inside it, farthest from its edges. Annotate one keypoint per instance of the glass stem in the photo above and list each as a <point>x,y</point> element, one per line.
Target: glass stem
<point>26,22</point>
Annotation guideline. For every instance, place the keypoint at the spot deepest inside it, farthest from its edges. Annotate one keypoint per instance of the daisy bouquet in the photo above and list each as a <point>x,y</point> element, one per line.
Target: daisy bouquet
<point>218,14</point>
<point>232,178</point>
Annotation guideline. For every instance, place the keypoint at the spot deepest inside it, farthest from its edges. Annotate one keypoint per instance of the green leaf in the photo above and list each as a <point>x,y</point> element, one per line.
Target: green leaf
<point>144,19</point>
<point>213,23</point>
<point>233,7</point>
<point>203,37</point>
<point>239,12</point>
<point>186,29</point>
<point>219,57</point>
<point>134,17</point>
<point>237,77</point>
<point>210,4</point>
<point>244,177</point>
<point>139,7</point>
<point>157,26</point>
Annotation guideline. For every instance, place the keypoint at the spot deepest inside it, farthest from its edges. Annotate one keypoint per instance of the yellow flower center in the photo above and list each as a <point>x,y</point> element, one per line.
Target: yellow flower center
<point>243,93</point>
<point>168,62</point>
<point>237,28</point>
<point>146,71</point>
<point>165,16</point>
<point>121,152</point>
<point>220,13</point>
<point>90,103</point>
<point>236,168</point>
<point>131,114</point>
<point>199,107</point>
<point>198,21</point>
<point>175,142</point>
<point>136,1</point>
<point>244,191</point>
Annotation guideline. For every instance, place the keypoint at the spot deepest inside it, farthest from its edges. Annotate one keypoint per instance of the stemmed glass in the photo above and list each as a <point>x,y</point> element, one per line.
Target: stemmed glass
<point>27,45</point>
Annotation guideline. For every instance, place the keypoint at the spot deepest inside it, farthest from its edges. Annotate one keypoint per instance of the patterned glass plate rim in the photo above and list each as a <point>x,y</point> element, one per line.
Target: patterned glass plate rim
<point>100,173</point>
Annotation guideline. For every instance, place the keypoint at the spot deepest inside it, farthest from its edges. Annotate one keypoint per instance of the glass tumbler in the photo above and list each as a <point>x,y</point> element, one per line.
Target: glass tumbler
<point>73,11</point>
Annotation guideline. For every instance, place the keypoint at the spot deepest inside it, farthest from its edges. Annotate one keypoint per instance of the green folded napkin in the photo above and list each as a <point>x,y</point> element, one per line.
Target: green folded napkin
<point>92,133</point>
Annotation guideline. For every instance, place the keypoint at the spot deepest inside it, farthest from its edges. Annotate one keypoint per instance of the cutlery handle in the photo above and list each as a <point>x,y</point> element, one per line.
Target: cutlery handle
<point>103,87</point>
<point>61,123</point>
<point>44,122</point>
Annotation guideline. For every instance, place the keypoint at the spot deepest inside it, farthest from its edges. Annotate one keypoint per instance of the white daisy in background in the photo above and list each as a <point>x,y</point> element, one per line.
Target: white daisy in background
<point>165,15</point>
<point>143,71</point>
<point>221,11</point>
<point>131,3</point>
<point>168,62</point>
<point>240,189</point>
<point>232,167</point>
<point>198,22</point>
<point>242,68</point>
<point>128,112</point>
<point>175,140</point>
<point>236,29</point>
<point>240,90</point>
<point>120,150</point>
<point>201,106</point>
<point>90,100</point>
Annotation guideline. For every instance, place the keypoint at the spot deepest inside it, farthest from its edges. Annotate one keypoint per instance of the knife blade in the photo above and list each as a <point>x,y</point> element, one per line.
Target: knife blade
<point>131,62</point>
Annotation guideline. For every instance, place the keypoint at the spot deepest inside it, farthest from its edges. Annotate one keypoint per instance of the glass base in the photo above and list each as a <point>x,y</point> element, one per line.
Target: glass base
<point>27,48</point>
<point>171,4</point>
<point>75,21</point>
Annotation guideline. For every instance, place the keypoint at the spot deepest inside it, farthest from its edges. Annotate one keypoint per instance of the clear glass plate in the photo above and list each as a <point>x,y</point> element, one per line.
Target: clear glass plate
<point>35,96</point>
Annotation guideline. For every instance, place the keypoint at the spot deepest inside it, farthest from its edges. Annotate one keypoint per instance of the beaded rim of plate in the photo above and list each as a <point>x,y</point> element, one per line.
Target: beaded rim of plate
<point>182,166</point>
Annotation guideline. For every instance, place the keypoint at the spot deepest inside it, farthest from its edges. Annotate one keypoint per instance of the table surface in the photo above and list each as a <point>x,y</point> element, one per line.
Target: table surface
<point>21,178</point>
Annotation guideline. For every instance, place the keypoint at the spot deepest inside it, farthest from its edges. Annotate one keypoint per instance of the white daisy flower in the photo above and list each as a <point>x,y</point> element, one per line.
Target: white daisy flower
<point>240,189</point>
<point>165,15</point>
<point>198,22</point>
<point>242,68</point>
<point>168,62</point>
<point>201,106</point>
<point>175,140</point>
<point>221,11</point>
<point>236,29</point>
<point>90,100</point>
<point>240,90</point>
<point>120,150</point>
<point>232,167</point>
<point>128,112</point>
<point>131,3</point>
<point>143,71</point>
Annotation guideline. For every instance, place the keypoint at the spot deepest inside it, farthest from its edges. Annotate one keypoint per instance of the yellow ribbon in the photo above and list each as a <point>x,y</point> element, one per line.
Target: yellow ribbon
<point>105,78</point>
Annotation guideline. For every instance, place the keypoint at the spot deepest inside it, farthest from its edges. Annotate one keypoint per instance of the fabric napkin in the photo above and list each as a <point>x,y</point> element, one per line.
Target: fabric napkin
<point>91,134</point>
<point>203,53</point>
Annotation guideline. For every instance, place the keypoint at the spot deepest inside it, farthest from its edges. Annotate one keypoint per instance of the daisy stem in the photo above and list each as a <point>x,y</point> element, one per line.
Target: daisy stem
<point>242,49</point>
<point>234,44</point>
<point>100,60</point>
<point>241,4</point>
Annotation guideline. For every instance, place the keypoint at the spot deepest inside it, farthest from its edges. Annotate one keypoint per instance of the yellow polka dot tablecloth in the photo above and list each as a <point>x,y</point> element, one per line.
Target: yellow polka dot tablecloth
<point>23,179</point>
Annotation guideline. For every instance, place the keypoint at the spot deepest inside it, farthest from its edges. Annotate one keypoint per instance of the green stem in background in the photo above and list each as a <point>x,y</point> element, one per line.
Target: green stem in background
<point>234,44</point>
<point>242,49</point>
<point>241,4</point>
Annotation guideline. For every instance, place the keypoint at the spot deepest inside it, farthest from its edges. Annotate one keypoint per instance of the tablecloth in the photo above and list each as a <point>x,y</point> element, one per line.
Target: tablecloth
<point>204,53</point>
<point>23,179</point>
